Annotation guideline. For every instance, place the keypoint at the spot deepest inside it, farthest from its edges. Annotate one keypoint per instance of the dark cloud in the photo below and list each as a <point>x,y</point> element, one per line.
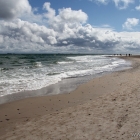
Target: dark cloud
<point>13,8</point>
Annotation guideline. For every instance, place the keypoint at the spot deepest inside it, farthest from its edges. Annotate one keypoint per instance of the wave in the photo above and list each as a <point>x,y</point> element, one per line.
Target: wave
<point>6,69</point>
<point>65,62</point>
<point>37,64</point>
<point>32,76</point>
<point>53,73</point>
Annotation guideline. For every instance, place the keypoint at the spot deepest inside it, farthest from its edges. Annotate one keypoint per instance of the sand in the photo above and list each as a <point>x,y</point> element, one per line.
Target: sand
<point>106,107</point>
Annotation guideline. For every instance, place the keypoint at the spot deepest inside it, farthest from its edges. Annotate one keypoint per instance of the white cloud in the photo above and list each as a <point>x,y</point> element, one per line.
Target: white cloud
<point>130,23</point>
<point>66,31</point>
<point>67,14</point>
<point>13,8</point>
<point>137,8</point>
<point>51,12</point>
<point>120,4</point>
<point>22,36</point>
<point>123,4</point>
<point>67,19</point>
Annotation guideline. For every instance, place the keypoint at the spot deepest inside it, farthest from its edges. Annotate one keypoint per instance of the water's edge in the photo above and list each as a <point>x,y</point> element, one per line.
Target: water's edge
<point>62,87</point>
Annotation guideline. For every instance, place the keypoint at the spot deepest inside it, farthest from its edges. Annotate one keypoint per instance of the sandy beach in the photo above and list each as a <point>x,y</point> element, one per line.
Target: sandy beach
<point>105,108</point>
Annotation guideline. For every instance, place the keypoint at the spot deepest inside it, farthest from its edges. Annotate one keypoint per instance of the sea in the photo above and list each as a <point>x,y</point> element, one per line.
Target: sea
<point>25,72</point>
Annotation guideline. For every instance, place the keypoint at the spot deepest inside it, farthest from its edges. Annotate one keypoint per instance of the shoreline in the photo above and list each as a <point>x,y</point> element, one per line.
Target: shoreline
<point>62,87</point>
<point>25,111</point>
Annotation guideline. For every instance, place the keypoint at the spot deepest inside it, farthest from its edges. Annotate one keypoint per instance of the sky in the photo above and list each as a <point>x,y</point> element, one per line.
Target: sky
<point>70,26</point>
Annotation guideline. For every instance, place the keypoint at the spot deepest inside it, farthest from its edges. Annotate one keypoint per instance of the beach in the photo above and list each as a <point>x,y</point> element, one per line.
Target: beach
<point>105,107</point>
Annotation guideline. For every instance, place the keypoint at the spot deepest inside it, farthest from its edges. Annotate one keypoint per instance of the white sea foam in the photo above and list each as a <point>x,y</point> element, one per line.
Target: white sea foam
<point>28,78</point>
<point>38,64</point>
<point>65,62</point>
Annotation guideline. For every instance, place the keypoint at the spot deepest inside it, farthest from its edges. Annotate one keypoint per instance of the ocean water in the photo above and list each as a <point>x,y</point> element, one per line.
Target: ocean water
<point>23,72</point>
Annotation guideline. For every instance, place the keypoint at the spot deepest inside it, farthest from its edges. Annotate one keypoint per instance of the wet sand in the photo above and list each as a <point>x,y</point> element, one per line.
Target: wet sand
<point>106,107</point>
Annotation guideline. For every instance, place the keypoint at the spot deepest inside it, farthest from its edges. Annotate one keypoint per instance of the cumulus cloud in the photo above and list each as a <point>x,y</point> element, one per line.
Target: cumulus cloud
<point>130,23</point>
<point>13,8</point>
<point>67,31</point>
<point>66,15</point>
<point>22,36</point>
<point>51,12</point>
<point>69,15</point>
<point>67,19</point>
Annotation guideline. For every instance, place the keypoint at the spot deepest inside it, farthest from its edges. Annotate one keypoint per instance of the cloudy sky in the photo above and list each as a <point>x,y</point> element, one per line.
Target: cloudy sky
<point>70,26</point>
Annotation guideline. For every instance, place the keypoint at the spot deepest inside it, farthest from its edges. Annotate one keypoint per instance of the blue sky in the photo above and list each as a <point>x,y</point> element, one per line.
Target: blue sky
<point>98,13</point>
<point>70,26</point>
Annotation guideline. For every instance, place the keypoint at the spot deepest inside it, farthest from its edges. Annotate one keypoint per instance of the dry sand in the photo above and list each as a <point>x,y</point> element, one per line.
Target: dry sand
<point>105,108</point>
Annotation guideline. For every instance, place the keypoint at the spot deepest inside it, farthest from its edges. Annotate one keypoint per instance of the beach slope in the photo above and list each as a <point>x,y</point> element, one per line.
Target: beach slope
<point>106,107</point>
